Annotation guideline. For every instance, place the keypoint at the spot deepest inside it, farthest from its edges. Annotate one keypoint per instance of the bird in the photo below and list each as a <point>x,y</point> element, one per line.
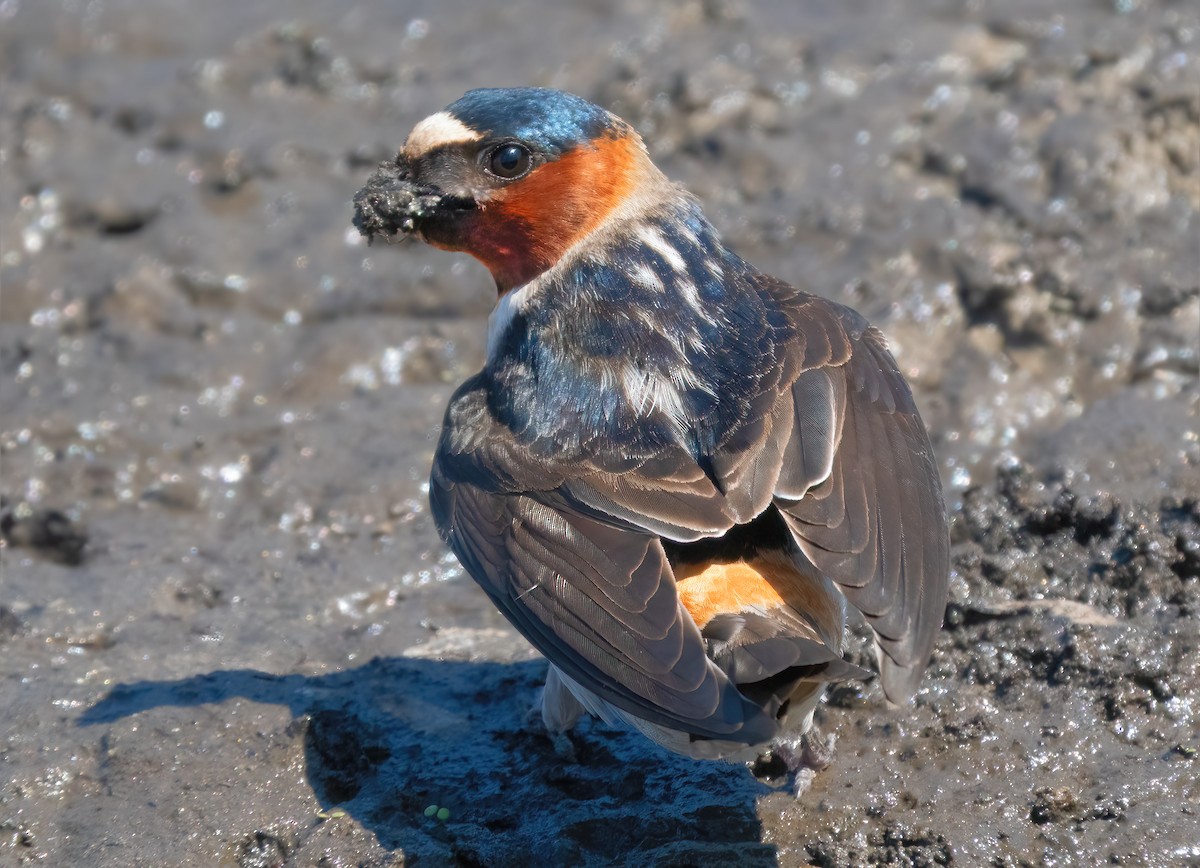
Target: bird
<point>674,474</point>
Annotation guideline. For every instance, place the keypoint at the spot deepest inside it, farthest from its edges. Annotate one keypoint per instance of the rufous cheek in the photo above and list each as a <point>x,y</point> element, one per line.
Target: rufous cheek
<point>525,228</point>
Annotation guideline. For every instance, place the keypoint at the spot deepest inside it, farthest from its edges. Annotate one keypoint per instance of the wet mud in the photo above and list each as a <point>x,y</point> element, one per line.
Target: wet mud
<point>228,632</point>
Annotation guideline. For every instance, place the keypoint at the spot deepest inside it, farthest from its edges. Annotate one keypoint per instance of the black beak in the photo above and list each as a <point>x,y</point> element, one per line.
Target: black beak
<point>393,203</point>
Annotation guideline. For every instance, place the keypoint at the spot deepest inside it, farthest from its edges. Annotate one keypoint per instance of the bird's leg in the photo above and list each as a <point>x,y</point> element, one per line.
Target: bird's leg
<point>805,756</point>
<point>559,710</point>
<point>564,748</point>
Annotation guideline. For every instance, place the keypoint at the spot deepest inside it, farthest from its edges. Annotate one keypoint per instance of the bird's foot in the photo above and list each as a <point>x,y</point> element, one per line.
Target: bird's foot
<point>564,748</point>
<point>804,757</point>
<point>534,722</point>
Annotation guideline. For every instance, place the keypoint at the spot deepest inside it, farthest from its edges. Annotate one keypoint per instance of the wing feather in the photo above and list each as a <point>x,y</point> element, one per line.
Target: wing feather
<point>876,524</point>
<point>599,600</point>
<point>572,553</point>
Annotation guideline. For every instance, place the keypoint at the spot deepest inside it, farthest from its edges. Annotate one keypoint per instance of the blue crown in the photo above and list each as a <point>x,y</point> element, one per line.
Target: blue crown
<point>551,120</point>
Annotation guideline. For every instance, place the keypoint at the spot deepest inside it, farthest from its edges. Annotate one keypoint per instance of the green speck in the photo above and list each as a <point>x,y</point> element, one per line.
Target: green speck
<point>431,810</point>
<point>443,814</point>
<point>331,814</point>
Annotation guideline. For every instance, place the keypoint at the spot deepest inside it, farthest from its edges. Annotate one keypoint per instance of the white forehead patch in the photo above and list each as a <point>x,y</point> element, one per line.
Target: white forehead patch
<point>435,131</point>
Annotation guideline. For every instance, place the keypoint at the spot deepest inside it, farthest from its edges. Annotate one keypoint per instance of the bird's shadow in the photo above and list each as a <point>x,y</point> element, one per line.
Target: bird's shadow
<point>390,738</point>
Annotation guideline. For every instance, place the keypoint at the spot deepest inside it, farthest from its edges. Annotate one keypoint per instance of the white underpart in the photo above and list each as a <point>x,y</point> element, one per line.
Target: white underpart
<point>556,710</point>
<point>563,696</point>
<point>436,131</point>
<point>654,239</point>
<point>509,305</point>
<point>560,708</point>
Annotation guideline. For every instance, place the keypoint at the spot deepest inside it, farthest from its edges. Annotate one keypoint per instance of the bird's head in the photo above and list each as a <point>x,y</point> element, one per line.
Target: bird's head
<point>512,176</point>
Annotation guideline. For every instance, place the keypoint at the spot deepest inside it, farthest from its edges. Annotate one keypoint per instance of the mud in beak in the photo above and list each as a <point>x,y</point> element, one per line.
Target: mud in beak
<point>392,203</point>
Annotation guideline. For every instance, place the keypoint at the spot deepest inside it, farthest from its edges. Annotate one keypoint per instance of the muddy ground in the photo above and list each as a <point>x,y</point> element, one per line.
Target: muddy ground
<point>228,632</point>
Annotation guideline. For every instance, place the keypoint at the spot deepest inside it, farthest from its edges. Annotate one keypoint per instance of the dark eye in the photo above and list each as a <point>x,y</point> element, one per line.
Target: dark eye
<point>509,161</point>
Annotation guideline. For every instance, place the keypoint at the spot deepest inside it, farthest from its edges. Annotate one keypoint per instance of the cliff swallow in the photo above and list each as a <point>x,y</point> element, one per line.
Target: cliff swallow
<point>674,472</point>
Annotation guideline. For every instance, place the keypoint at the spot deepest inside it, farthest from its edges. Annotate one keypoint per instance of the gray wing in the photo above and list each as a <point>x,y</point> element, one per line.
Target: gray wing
<point>594,594</point>
<point>861,492</point>
<point>571,553</point>
<point>835,442</point>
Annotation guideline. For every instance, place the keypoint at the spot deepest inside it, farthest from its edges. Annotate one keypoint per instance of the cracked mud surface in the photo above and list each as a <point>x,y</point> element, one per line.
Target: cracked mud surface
<point>228,633</point>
